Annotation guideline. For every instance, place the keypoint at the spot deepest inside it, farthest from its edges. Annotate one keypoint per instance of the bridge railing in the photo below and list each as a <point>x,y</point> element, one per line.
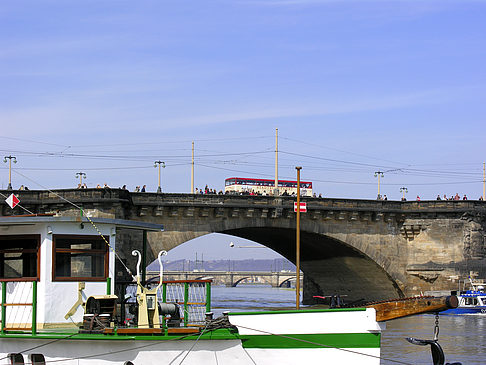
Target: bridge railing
<point>192,296</point>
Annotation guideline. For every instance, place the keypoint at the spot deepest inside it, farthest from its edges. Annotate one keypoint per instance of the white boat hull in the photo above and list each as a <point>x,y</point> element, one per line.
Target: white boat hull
<point>289,337</point>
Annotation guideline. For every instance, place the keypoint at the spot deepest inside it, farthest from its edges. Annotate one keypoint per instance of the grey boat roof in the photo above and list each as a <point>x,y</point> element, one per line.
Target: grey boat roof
<point>121,223</point>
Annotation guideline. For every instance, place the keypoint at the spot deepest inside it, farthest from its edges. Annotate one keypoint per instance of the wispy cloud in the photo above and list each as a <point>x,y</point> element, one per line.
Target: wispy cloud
<point>64,117</point>
<point>334,107</point>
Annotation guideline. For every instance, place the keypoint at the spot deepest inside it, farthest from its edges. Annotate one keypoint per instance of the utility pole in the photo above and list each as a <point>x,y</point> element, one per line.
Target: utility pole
<point>403,190</point>
<point>81,175</point>
<point>379,174</point>
<point>297,241</point>
<point>160,163</point>
<point>484,181</point>
<point>275,191</point>
<point>192,169</point>
<point>10,158</point>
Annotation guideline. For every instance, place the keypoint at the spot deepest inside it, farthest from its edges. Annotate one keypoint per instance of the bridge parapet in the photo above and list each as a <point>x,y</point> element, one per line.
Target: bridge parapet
<point>122,204</point>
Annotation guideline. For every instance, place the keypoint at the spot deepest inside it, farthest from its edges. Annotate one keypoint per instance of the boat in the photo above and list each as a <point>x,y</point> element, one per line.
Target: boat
<point>62,301</point>
<point>471,301</point>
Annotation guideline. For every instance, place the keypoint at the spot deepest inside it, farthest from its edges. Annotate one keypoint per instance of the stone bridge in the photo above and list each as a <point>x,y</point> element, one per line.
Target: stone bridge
<point>231,278</point>
<point>361,248</point>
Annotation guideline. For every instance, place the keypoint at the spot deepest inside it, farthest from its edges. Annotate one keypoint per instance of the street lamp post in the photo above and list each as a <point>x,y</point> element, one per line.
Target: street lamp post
<point>403,190</point>
<point>379,174</point>
<point>81,175</point>
<point>160,163</point>
<point>10,158</point>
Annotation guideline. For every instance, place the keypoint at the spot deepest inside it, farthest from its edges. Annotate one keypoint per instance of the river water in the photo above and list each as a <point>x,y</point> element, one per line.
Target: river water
<point>463,338</point>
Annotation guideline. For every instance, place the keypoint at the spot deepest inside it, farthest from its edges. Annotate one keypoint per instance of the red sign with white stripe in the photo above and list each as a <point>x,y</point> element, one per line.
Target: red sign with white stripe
<point>303,207</point>
<point>12,200</point>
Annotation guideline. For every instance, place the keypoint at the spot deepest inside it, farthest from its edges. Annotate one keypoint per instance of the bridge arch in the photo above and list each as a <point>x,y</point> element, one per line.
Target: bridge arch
<point>239,281</point>
<point>330,265</point>
<point>286,283</point>
<point>333,264</point>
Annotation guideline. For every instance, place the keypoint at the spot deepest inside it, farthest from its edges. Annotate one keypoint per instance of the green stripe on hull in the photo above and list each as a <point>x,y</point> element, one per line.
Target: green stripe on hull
<point>331,340</point>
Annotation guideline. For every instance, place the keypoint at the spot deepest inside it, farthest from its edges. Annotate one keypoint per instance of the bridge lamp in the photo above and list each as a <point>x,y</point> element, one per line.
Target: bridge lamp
<point>379,174</point>
<point>81,175</point>
<point>403,190</point>
<point>159,163</point>
<point>10,158</point>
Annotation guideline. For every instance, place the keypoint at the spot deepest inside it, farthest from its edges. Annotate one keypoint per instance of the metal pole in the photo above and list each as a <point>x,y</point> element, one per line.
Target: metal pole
<point>379,174</point>
<point>144,256</point>
<point>208,297</point>
<point>34,307</point>
<point>484,181</point>
<point>161,164</point>
<point>192,169</point>
<point>275,192</point>
<point>9,174</point>
<point>403,190</point>
<point>4,307</point>
<point>81,175</point>
<point>297,240</point>
<point>186,297</point>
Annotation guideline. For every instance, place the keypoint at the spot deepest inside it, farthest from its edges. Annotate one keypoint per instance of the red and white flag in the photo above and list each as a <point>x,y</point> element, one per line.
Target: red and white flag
<point>303,207</point>
<point>12,200</point>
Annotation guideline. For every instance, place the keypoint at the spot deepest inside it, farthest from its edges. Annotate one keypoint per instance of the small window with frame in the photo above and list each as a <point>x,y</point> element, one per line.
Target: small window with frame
<point>19,257</point>
<point>80,258</point>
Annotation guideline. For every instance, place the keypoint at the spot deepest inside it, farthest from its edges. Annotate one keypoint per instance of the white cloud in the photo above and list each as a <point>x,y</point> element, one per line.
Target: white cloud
<point>64,116</point>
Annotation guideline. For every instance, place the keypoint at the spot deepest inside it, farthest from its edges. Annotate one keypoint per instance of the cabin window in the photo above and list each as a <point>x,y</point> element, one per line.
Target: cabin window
<point>19,258</point>
<point>80,258</point>
<point>471,301</point>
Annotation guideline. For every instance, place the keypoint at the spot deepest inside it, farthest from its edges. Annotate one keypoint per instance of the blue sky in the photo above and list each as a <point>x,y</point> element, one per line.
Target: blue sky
<point>108,87</point>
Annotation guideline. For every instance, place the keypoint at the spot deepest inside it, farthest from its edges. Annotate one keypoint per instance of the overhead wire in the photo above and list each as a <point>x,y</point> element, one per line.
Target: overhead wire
<point>159,142</point>
<point>247,159</point>
<point>339,150</point>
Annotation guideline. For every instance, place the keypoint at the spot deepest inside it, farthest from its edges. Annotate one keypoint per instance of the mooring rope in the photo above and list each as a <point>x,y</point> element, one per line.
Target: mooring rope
<point>192,347</point>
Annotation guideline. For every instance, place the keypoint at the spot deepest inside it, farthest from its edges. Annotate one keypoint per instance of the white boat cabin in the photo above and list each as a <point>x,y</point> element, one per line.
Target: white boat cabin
<point>50,265</point>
